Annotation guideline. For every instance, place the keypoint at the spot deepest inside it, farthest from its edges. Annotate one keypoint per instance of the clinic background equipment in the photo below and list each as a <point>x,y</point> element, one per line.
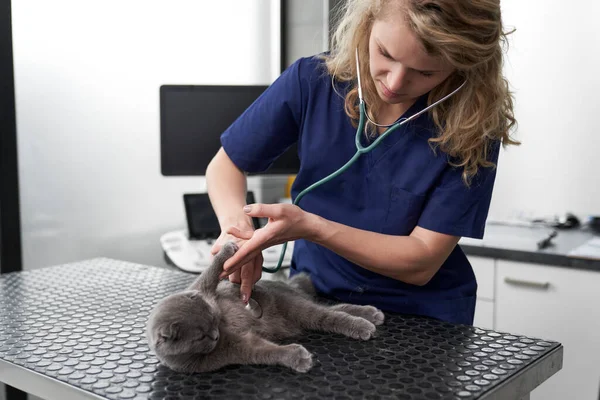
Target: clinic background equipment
<point>202,222</point>
<point>189,250</point>
<point>192,119</point>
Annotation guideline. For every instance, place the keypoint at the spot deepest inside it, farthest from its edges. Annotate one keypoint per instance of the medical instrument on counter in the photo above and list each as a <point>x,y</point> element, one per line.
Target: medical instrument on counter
<point>360,149</point>
<point>547,241</point>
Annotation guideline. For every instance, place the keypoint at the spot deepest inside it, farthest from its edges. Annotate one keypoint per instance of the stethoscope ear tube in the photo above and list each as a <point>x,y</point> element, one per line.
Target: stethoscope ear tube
<point>360,149</point>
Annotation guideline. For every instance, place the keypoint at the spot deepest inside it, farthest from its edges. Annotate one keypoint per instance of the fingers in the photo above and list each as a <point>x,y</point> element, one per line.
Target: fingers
<point>215,248</point>
<point>245,254</point>
<point>238,233</point>
<point>258,263</point>
<point>247,277</point>
<point>264,210</point>
<point>235,277</point>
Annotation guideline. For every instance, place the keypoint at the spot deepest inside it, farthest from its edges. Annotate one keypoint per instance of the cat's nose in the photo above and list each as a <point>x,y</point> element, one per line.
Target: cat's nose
<point>214,334</point>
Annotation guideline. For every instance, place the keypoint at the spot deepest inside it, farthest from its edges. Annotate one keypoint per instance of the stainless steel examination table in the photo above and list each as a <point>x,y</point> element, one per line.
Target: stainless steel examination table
<point>76,331</point>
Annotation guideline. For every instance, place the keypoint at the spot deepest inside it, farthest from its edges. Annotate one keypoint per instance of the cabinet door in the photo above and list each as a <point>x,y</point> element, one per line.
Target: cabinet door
<point>484,314</point>
<point>485,271</point>
<point>560,304</point>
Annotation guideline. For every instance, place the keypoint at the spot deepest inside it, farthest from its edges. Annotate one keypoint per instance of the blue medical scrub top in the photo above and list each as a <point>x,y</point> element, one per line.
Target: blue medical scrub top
<point>397,186</point>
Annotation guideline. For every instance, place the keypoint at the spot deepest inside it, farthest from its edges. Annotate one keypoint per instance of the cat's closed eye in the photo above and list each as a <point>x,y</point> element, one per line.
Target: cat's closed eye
<point>162,338</point>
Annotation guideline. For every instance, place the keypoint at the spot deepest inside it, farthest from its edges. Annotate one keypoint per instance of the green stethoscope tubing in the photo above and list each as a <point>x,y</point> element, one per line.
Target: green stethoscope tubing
<point>360,149</point>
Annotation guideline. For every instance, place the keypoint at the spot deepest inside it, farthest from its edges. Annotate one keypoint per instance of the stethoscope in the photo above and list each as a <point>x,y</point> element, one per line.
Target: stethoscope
<point>360,149</point>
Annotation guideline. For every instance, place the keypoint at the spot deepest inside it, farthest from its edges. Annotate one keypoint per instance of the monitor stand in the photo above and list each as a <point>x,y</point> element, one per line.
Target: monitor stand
<point>268,188</point>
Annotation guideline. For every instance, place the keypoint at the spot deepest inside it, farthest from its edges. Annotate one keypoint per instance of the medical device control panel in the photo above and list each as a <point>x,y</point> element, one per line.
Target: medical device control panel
<point>194,255</point>
<point>189,249</point>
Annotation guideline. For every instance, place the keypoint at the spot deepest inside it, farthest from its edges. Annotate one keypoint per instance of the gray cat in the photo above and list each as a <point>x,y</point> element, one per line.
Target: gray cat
<point>207,327</point>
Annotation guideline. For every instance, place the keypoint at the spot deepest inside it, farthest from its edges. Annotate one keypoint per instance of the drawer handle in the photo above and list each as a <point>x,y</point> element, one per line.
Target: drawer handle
<point>531,284</point>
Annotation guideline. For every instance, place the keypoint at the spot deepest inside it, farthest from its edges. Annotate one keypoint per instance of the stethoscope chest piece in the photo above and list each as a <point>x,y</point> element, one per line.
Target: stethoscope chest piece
<point>254,308</point>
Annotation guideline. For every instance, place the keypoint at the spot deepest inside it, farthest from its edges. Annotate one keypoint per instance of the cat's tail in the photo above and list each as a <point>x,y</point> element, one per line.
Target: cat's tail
<point>302,282</point>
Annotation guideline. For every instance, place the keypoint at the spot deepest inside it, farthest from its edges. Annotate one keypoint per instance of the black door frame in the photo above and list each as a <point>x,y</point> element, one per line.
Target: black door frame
<point>10,221</point>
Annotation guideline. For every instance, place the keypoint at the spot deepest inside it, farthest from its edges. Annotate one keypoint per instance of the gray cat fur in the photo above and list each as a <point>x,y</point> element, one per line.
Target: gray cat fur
<point>207,327</point>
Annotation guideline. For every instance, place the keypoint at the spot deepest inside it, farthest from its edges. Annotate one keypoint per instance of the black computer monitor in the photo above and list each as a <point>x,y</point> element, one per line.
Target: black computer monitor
<point>192,119</point>
<point>202,222</point>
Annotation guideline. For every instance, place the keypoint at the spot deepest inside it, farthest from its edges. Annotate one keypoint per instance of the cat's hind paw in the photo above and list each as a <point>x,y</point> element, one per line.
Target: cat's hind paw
<point>299,358</point>
<point>370,313</point>
<point>373,315</point>
<point>362,329</point>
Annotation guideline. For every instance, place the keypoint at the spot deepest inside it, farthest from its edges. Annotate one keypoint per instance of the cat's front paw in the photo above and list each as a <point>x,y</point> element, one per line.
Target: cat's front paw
<point>298,358</point>
<point>229,249</point>
<point>361,329</point>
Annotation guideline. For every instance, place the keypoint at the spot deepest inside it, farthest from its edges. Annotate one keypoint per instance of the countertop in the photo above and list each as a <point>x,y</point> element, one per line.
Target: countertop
<point>76,331</point>
<point>519,243</point>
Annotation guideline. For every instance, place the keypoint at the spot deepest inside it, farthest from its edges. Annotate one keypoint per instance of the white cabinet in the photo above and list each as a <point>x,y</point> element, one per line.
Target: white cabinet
<point>484,269</point>
<point>559,304</point>
<point>484,314</point>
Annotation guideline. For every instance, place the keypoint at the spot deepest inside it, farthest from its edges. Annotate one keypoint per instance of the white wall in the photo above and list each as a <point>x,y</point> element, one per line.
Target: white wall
<point>553,65</point>
<point>87,76</point>
<point>307,28</point>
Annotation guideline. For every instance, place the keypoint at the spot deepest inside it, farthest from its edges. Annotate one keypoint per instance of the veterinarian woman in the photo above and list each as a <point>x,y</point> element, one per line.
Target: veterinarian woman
<point>385,231</point>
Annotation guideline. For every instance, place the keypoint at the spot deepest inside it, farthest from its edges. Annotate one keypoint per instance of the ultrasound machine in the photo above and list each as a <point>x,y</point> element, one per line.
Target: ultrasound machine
<point>189,249</point>
<point>192,119</point>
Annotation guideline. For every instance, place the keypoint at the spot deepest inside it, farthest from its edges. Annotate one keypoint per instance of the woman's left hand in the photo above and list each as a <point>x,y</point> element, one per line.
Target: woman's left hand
<point>286,222</point>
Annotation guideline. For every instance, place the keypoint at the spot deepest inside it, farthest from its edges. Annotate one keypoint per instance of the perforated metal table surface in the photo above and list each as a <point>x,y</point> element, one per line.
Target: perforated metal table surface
<point>77,331</point>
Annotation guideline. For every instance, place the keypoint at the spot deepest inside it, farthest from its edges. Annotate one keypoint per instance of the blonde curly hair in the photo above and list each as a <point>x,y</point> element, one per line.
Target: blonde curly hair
<point>469,36</point>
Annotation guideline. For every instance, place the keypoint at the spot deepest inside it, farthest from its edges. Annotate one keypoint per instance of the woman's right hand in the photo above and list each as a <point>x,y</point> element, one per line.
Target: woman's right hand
<point>251,272</point>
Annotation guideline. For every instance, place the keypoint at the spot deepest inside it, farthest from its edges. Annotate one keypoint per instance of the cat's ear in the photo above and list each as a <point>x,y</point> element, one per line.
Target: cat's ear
<point>169,333</point>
